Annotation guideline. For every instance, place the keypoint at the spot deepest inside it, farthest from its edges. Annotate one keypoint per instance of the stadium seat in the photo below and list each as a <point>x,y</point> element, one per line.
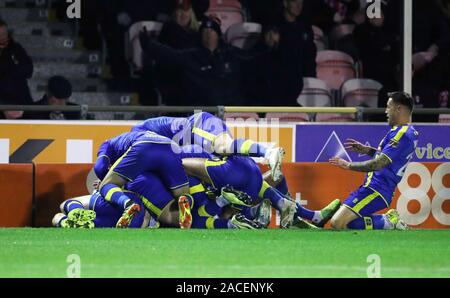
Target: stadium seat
<point>289,117</point>
<point>444,118</point>
<point>243,35</point>
<point>133,50</point>
<point>322,117</point>
<point>334,68</point>
<point>315,93</point>
<point>319,39</point>
<point>241,116</point>
<point>360,92</point>
<point>228,11</point>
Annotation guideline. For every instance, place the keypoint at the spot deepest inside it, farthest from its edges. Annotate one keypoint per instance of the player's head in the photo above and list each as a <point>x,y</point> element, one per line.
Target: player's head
<point>399,108</point>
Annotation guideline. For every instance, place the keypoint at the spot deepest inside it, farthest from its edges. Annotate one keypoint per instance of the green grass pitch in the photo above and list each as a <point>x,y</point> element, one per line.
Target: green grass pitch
<point>27,252</point>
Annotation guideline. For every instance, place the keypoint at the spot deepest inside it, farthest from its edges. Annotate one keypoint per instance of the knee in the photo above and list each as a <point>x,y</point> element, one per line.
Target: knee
<point>338,223</point>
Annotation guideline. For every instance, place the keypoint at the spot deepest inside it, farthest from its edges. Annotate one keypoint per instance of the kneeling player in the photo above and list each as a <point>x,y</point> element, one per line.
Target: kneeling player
<point>384,171</point>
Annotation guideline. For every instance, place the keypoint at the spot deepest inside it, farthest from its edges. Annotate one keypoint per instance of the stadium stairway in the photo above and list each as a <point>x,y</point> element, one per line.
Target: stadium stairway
<point>56,50</point>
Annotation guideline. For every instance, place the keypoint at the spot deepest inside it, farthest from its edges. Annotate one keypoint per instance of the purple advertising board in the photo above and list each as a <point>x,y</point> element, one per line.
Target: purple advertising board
<point>320,142</point>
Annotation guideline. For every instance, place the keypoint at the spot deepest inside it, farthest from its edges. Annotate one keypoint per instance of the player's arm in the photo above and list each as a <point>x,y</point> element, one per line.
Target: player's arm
<point>103,162</point>
<point>372,165</point>
<point>357,147</point>
<point>196,167</point>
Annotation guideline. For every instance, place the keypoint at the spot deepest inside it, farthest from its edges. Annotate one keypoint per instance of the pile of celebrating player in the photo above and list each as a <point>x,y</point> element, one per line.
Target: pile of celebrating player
<point>191,173</point>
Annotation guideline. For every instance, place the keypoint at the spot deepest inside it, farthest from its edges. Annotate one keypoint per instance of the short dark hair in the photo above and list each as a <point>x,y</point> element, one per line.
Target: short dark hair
<point>402,98</point>
<point>3,23</point>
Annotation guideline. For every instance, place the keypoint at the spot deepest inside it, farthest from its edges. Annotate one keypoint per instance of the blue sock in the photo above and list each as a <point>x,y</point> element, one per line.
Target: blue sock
<point>70,205</point>
<point>248,148</point>
<point>114,194</point>
<point>209,209</point>
<point>373,222</point>
<point>304,213</point>
<point>282,186</point>
<point>275,197</point>
<point>249,212</point>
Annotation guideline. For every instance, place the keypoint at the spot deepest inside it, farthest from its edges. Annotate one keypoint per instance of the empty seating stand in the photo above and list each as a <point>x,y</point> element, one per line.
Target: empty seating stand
<point>334,68</point>
<point>360,92</point>
<point>315,93</point>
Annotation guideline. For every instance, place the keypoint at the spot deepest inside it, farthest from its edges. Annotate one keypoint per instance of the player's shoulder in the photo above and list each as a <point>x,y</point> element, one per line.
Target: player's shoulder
<point>403,134</point>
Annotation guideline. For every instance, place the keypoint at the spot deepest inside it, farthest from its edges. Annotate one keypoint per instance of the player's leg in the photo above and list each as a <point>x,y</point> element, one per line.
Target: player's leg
<point>280,184</point>
<point>286,207</point>
<point>225,144</point>
<point>59,220</point>
<point>76,211</point>
<point>358,212</point>
<point>213,132</point>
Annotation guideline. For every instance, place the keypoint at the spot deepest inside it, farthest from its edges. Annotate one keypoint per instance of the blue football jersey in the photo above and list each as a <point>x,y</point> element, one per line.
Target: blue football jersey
<point>168,127</point>
<point>398,145</point>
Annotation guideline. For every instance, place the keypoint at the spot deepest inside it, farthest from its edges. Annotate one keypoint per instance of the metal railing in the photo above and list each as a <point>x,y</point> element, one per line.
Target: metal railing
<point>359,112</point>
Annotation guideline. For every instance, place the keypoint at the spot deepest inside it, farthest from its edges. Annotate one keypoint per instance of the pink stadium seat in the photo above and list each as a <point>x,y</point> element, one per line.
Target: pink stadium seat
<point>319,39</point>
<point>289,117</point>
<point>228,11</point>
<point>360,92</point>
<point>444,118</point>
<point>315,93</point>
<point>334,68</point>
<point>241,116</point>
<point>133,50</point>
<point>322,117</point>
<point>243,35</point>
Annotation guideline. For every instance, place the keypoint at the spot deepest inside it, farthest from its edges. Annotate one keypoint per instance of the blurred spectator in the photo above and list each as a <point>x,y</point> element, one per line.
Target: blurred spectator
<point>15,68</point>
<point>271,80</point>
<point>378,50</point>
<point>296,52</point>
<point>180,32</point>
<point>326,14</point>
<point>59,90</point>
<point>211,73</point>
<point>431,40</point>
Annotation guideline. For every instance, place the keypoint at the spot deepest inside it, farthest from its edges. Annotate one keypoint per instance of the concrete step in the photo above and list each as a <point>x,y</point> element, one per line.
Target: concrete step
<point>43,42</point>
<point>64,56</point>
<point>78,85</point>
<point>23,3</point>
<point>102,99</point>
<point>23,15</point>
<point>41,29</point>
<point>69,70</point>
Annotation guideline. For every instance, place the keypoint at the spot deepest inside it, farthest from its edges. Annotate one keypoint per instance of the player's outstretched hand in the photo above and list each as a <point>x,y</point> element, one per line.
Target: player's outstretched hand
<point>356,146</point>
<point>339,162</point>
